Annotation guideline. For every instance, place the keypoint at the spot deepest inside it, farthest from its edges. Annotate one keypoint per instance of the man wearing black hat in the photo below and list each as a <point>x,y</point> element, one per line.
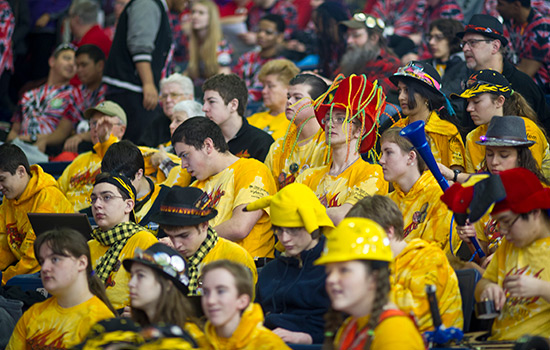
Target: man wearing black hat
<point>483,45</point>
<point>117,235</point>
<point>184,216</point>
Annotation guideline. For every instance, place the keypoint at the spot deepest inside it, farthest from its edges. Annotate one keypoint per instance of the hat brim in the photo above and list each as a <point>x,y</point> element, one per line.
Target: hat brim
<point>397,77</point>
<point>353,24</point>
<point>174,219</point>
<point>127,263</point>
<point>493,142</point>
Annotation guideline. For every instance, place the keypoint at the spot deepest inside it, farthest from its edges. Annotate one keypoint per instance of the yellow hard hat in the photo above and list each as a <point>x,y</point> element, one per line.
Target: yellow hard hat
<point>356,239</point>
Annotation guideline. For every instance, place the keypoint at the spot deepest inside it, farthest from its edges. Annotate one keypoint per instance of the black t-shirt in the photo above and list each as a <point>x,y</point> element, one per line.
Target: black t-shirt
<point>250,142</point>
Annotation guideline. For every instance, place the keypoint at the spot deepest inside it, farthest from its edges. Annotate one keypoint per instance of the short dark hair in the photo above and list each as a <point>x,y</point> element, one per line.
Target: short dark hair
<point>93,51</point>
<point>449,28</point>
<point>230,87</point>
<point>382,210</point>
<point>124,158</point>
<point>277,19</point>
<point>317,86</point>
<point>195,131</point>
<point>524,3</point>
<point>11,157</point>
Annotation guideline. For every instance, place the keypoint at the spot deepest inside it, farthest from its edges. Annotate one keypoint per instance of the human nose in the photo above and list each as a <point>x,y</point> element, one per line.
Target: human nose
<point>132,281</point>
<point>470,107</point>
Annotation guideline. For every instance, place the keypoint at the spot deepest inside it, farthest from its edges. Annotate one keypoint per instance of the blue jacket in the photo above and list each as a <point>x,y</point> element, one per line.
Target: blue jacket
<point>292,293</point>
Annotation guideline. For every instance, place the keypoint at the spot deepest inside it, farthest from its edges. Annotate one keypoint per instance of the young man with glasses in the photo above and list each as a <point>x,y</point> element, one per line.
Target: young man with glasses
<point>517,279</point>
<point>367,52</point>
<point>483,44</point>
<point>117,235</point>
<point>350,130</point>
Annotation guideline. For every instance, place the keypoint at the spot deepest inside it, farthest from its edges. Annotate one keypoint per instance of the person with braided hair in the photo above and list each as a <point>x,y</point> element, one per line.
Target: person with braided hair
<point>117,235</point>
<point>350,124</point>
<point>78,297</point>
<point>303,145</point>
<point>357,255</point>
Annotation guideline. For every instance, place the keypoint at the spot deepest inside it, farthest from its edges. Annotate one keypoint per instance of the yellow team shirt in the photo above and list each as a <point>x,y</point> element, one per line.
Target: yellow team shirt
<point>311,153</point>
<point>353,184</point>
<point>46,325</point>
<point>16,234</point>
<point>394,332</point>
<point>243,182</point>
<point>77,180</point>
<point>249,335</point>
<point>475,154</point>
<point>177,177</point>
<point>419,264</point>
<point>521,316</point>
<point>424,214</point>
<point>117,283</point>
<point>445,141</point>
<point>275,126</point>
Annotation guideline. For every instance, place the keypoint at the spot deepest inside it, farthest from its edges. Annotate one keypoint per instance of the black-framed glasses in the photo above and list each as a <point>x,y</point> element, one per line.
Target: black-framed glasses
<point>473,42</point>
<point>370,21</point>
<point>505,226</point>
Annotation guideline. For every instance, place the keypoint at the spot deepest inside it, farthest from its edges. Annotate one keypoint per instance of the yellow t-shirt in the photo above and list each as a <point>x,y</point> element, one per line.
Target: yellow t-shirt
<point>521,316</point>
<point>394,332</point>
<point>177,177</point>
<point>424,214</point>
<point>445,141</point>
<point>310,153</point>
<point>357,181</point>
<point>475,154</point>
<point>46,325</point>
<point>249,335</point>
<point>117,283</point>
<point>243,182</point>
<point>275,126</point>
<point>419,264</point>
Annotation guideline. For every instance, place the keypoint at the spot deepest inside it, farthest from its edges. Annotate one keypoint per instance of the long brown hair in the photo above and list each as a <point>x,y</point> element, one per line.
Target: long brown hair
<point>172,308</point>
<point>205,52</point>
<point>68,242</point>
<point>333,319</point>
<point>525,160</point>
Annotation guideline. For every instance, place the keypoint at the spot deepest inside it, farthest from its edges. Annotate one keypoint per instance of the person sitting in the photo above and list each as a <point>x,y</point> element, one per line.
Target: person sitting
<point>270,38</point>
<point>416,192</point>
<point>517,279</point>
<point>357,255</point>
<point>231,182</point>
<point>158,289</point>
<point>173,89</point>
<point>298,219</point>
<point>125,158</point>
<point>275,76</point>
<point>225,98</point>
<point>46,116</point>
<point>183,218</point>
<point>26,189</point>
<point>367,51</point>
<point>420,98</point>
<point>488,94</point>
<point>304,145</point>
<point>233,321</point>
<point>117,235</point>
<point>78,297</point>
<point>349,123</point>
<point>416,264</point>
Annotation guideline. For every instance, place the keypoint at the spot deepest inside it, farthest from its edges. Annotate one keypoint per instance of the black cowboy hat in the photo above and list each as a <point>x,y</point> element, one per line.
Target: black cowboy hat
<point>487,26</point>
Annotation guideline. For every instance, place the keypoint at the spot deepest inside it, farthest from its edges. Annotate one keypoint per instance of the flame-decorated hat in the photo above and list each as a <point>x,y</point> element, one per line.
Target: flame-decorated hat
<point>485,25</point>
<point>362,100</point>
<point>486,81</point>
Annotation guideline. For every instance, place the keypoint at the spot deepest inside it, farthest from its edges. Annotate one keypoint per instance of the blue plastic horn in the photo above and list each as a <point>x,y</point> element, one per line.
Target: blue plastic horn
<point>414,132</point>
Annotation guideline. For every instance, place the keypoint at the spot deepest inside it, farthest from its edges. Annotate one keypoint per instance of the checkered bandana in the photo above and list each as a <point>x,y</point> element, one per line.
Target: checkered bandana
<point>196,259</point>
<point>116,239</point>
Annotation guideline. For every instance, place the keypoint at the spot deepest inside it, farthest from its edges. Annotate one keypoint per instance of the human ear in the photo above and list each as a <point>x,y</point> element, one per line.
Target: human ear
<point>243,301</point>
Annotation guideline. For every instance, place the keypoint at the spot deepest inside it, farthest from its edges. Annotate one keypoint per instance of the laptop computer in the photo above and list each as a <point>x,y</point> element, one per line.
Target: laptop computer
<point>42,222</point>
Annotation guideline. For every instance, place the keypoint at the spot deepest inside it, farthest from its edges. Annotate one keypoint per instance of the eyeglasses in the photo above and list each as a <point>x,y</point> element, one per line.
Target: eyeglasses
<point>436,37</point>
<point>505,226</point>
<point>370,21</point>
<point>335,120</point>
<point>172,95</point>
<point>105,198</point>
<point>473,42</point>
<point>291,231</point>
<point>93,124</point>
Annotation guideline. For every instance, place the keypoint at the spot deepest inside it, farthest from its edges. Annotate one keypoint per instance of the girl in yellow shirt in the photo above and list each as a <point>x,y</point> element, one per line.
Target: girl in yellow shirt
<point>420,98</point>
<point>78,301</point>
<point>356,258</point>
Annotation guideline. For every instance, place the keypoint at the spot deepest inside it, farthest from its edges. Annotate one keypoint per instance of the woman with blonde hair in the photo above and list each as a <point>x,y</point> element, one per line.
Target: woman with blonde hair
<point>209,52</point>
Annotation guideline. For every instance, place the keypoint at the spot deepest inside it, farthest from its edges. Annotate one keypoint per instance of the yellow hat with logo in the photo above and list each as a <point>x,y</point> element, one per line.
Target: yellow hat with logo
<point>356,239</point>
